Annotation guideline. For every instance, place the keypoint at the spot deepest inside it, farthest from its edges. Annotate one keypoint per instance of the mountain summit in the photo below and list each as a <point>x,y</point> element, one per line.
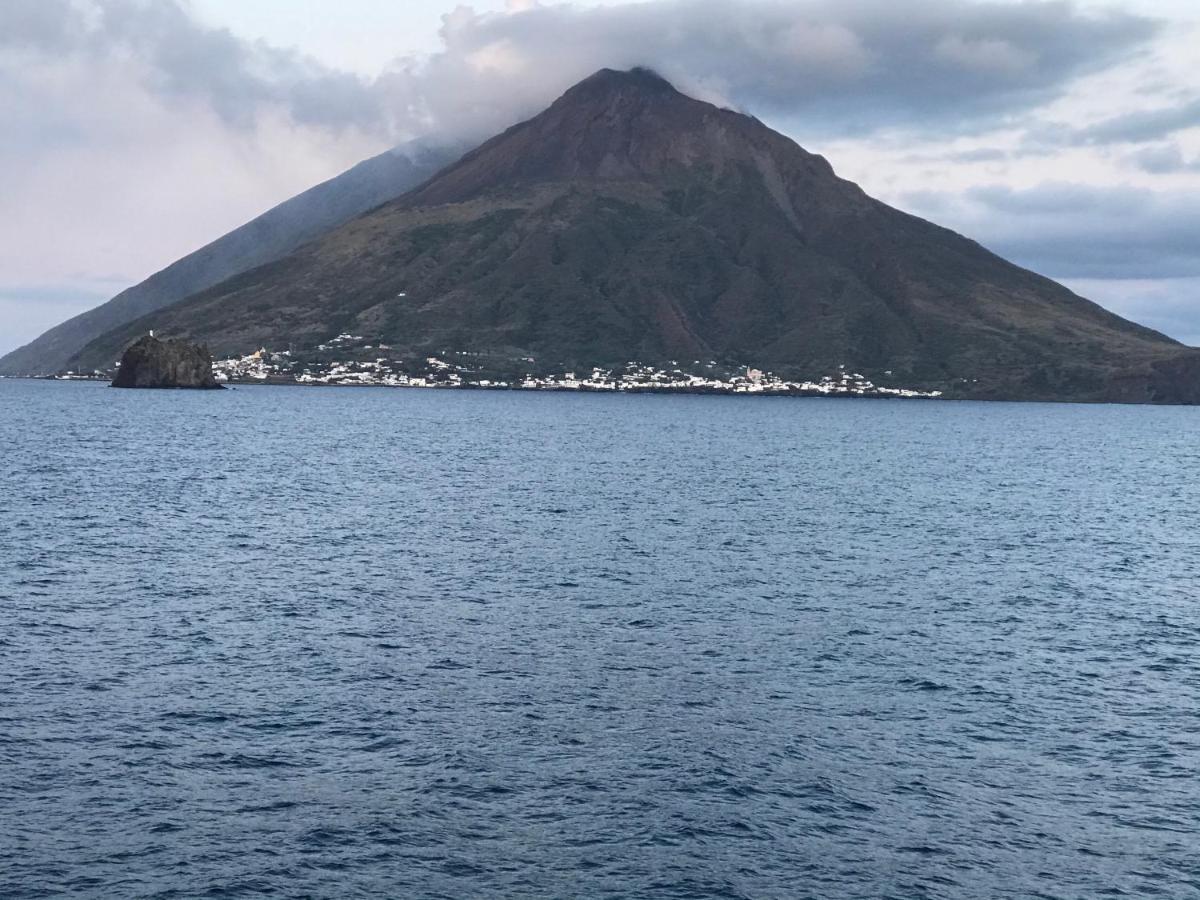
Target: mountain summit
<point>620,125</point>
<point>629,221</point>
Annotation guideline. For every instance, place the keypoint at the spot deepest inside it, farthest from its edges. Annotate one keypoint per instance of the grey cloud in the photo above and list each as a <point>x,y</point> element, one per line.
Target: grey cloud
<point>1169,305</point>
<point>1060,199</point>
<point>239,77</point>
<point>40,25</point>
<point>1141,126</point>
<point>1078,231</point>
<point>1163,159</point>
<point>981,155</point>
<point>848,66</point>
<point>821,66</point>
<point>927,158</point>
<point>180,58</point>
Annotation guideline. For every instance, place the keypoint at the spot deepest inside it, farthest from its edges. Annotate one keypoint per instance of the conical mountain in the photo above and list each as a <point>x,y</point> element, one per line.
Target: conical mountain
<point>631,222</point>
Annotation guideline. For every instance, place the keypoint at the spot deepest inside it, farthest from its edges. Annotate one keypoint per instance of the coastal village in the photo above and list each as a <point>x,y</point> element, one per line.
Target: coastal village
<point>348,361</point>
<point>365,364</point>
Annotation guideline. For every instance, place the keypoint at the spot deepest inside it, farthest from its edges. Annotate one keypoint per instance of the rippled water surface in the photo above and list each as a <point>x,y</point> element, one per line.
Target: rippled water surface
<point>356,642</point>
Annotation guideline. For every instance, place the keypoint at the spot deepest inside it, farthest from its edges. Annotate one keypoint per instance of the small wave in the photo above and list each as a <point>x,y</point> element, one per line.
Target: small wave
<point>924,684</point>
<point>198,718</point>
<point>277,806</point>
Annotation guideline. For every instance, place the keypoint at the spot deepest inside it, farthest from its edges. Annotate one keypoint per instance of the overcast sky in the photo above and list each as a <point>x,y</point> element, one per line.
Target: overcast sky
<point>1065,136</point>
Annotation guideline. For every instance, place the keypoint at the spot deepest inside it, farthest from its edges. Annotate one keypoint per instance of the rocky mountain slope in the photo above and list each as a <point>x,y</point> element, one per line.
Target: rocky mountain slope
<point>630,222</point>
<point>273,234</point>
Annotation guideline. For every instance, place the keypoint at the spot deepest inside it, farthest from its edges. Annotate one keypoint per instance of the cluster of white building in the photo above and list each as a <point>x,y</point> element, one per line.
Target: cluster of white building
<point>381,372</point>
<point>257,366</point>
<point>435,372</point>
<point>641,377</point>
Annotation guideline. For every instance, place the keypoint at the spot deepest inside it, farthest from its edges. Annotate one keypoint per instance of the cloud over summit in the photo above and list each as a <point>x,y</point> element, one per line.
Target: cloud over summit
<point>854,63</point>
<point>859,64</point>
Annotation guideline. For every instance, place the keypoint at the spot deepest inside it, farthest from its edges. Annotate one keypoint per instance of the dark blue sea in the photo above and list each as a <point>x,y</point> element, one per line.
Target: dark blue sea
<point>396,643</point>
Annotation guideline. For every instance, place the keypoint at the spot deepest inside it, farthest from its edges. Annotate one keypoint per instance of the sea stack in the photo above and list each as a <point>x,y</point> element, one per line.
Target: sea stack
<point>151,363</point>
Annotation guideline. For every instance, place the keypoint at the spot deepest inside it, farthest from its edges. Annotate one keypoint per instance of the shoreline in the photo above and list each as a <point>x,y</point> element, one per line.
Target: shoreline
<point>549,389</point>
<point>691,392</point>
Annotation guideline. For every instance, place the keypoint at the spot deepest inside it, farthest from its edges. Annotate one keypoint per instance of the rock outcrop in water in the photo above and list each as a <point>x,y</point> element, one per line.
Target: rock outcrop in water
<point>151,363</point>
